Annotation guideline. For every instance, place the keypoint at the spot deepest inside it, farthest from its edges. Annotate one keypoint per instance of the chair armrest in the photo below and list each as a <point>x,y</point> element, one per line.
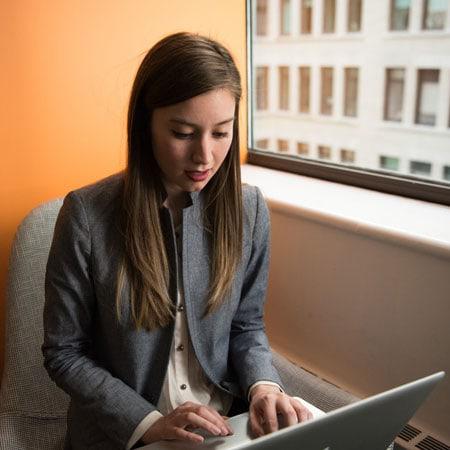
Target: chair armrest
<point>301,383</point>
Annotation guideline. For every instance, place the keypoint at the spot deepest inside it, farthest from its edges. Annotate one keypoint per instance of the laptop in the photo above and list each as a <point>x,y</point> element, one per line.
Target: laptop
<point>369,424</point>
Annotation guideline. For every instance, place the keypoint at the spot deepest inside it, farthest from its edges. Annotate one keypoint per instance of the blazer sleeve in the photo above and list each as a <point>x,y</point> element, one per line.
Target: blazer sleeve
<point>249,347</point>
<point>69,319</point>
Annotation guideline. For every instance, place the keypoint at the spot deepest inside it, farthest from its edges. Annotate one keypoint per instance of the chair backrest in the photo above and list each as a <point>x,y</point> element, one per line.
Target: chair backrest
<point>32,408</point>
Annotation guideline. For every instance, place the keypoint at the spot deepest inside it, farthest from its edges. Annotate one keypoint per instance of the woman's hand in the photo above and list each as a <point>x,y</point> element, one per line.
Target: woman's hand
<point>267,402</point>
<point>180,421</point>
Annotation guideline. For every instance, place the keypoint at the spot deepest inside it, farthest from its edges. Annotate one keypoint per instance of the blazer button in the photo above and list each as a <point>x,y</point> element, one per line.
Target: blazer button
<point>183,387</point>
<point>180,348</point>
<point>180,308</point>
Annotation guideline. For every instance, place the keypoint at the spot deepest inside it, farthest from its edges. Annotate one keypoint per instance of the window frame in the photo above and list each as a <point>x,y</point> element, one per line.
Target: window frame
<point>405,185</point>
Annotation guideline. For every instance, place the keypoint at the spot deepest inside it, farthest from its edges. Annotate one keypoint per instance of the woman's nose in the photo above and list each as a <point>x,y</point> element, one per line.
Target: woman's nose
<point>202,153</point>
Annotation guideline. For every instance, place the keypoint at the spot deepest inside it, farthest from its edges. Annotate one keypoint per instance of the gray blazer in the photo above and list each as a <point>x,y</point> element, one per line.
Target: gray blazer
<point>114,373</point>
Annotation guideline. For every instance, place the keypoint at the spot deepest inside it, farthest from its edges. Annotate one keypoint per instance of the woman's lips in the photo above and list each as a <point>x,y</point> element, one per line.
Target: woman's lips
<point>195,175</point>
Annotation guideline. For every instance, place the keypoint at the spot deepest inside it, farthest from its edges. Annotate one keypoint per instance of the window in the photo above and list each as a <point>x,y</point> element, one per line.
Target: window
<point>354,8</point>
<point>262,144</point>
<point>302,148</point>
<point>324,152</point>
<point>446,173</point>
<point>306,16</point>
<point>389,163</point>
<point>420,168</point>
<point>285,17</point>
<point>261,17</point>
<point>427,96</point>
<point>283,145</point>
<point>326,91</point>
<point>304,80</point>
<point>347,156</point>
<point>399,15</point>
<point>283,77</point>
<point>367,112</point>
<point>262,88</point>
<point>393,98</point>
<point>434,14</point>
<point>329,16</point>
<point>351,92</point>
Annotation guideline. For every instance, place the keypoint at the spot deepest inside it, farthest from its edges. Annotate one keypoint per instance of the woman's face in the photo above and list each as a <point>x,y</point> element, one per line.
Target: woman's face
<point>191,139</point>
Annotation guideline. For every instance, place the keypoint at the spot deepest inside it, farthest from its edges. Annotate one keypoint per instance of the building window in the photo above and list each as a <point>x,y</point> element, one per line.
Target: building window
<point>326,90</point>
<point>262,88</point>
<point>354,9</point>
<point>285,17</point>
<point>283,145</point>
<point>446,173</point>
<point>283,84</point>
<point>427,96</point>
<point>347,156</point>
<point>261,18</point>
<point>393,98</point>
<point>351,92</point>
<point>306,17</point>
<point>329,16</point>
<point>262,144</point>
<point>399,15</point>
<point>302,148</point>
<point>324,152</point>
<point>304,80</point>
<point>420,168</point>
<point>434,14</point>
<point>389,163</point>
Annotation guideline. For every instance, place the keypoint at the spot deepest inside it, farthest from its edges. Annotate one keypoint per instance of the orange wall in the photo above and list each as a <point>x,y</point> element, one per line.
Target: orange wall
<point>69,67</point>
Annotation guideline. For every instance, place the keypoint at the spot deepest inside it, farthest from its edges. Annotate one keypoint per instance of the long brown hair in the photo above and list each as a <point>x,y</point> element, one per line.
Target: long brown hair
<point>177,68</point>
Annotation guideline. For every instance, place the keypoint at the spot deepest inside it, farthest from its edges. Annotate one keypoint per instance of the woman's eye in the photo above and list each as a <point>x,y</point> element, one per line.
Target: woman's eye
<point>220,135</point>
<point>179,135</point>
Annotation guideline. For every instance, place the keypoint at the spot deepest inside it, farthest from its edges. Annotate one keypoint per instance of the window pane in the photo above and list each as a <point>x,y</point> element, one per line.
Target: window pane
<point>262,87</point>
<point>285,17</point>
<point>354,15</point>
<point>262,144</point>
<point>261,17</point>
<point>351,92</point>
<point>393,99</point>
<point>324,152</point>
<point>434,14</point>
<point>304,88</point>
<point>347,156</point>
<point>400,14</point>
<point>306,16</point>
<point>283,74</point>
<point>446,173</point>
<point>427,96</point>
<point>329,16</point>
<point>389,163</point>
<point>420,168</point>
<point>302,148</point>
<point>326,82</point>
<point>283,145</point>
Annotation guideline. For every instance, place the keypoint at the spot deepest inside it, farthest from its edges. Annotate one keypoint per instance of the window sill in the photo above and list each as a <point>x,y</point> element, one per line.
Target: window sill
<point>418,224</point>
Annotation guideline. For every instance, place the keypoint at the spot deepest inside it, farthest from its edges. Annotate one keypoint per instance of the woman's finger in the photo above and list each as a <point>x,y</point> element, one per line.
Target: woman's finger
<point>214,417</point>
<point>303,413</point>
<point>192,420</point>
<point>287,412</point>
<point>267,408</point>
<point>255,425</point>
<point>184,435</point>
<point>207,413</point>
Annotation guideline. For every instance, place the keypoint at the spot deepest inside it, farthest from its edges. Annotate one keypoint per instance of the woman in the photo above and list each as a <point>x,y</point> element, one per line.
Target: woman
<point>156,276</point>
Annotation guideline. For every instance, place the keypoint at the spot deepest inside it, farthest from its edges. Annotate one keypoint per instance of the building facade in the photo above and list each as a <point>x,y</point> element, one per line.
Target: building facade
<point>354,82</point>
